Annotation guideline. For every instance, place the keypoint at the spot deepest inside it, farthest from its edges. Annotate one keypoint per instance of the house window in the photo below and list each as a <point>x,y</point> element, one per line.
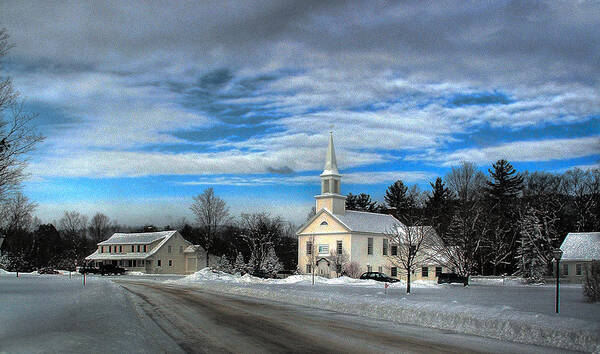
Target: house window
<point>101,248</point>
<point>132,248</point>
<point>578,269</point>
<point>134,263</point>
<point>139,248</point>
<point>169,249</point>
<point>308,270</point>
<point>385,246</point>
<point>339,247</point>
<point>158,263</point>
<point>394,250</point>
<point>369,268</point>
<point>170,262</point>
<point>394,271</point>
<point>370,245</point>
<point>145,248</point>
<point>308,248</point>
<point>324,223</point>
<point>425,272</point>
<point>438,271</point>
<point>109,249</point>
<point>323,249</point>
<point>120,249</point>
<point>180,249</point>
<point>380,269</point>
<point>565,269</point>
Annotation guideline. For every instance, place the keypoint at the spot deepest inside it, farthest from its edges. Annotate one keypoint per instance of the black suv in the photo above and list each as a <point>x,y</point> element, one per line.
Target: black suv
<point>379,277</point>
<point>452,278</point>
<point>111,269</point>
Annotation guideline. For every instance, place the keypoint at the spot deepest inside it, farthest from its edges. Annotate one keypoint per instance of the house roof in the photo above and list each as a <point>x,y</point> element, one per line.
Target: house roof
<point>581,246</point>
<point>136,238</point>
<point>97,256</point>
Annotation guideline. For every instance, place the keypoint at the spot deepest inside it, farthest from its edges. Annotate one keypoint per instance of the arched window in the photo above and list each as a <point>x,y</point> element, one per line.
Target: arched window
<point>324,223</point>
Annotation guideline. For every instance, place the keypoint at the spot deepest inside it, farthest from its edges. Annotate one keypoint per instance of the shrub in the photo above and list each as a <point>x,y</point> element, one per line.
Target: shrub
<point>591,281</point>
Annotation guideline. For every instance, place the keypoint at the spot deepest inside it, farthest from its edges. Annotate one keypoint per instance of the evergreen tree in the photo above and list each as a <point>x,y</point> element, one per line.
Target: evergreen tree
<point>271,265</point>
<point>396,196</point>
<point>506,183</point>
<point>223,265</point>
<point>439,206</point>
<point>361,202</point>
<point>239,266</point>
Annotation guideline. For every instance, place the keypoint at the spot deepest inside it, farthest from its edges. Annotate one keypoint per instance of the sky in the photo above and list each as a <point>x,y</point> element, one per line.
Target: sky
<point>145,104</point>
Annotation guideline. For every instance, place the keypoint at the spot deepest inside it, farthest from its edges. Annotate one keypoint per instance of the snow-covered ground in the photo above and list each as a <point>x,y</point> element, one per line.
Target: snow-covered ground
<point>517,313</point>
<point>55,313</point>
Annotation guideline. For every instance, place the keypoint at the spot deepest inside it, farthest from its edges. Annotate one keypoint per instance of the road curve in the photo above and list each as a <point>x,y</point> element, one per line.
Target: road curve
<point>200,321</point>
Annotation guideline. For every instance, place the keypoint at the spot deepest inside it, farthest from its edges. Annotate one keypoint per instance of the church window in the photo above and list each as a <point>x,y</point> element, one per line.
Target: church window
<point>339,247</point>
<point>394,250</point>
<point>308,270</point>
<point>308,247</point>
<point>336,186</point>
<point>370,245</point>
<point>325,186</point>
<point>385,246</point>
<point>369,268</point>
<point>324,223</point>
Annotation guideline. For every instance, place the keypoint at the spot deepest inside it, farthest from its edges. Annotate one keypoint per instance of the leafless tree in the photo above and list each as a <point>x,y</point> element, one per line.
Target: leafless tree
<point>352,269</point>
<point>260,232</point>
<point>466,181</point>
<point>73,227</point>
<point>17,137</point>
<point>584,188</point>
<point>17,213</point>
<point>100,227</point>
<point>311,256</point>
<point>211,212</point>
<point>414,244</point>
<point>338,260</point>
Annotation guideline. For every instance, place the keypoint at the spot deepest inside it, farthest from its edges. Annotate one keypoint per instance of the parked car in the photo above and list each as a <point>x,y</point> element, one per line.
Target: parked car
<point>111,269</point>
<point>47,270</point>
<point>88,269</point>
<point>449,278</point>
<point>378,277</point>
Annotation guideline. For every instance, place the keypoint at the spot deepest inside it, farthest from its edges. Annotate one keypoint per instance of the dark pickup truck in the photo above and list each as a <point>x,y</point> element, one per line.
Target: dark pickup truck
<point>452,278</point>
<point>88,269</point>
<point>107,269</point>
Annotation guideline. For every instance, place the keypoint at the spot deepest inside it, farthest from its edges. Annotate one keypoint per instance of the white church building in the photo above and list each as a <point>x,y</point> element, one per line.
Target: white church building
<point>360,236</point>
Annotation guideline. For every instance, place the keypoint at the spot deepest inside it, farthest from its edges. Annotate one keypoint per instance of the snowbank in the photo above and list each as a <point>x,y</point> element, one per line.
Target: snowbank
<point>366,298</point>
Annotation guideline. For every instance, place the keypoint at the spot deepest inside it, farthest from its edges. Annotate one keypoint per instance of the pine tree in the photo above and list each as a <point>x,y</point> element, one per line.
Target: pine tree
<point>506,183</point>
<point>239,266</point>
<point>439,206</point>
<point>224,265</point>
<point>361,202</point>
<point>396,196</point>
<point>535,245</point>
<point>271,265</point>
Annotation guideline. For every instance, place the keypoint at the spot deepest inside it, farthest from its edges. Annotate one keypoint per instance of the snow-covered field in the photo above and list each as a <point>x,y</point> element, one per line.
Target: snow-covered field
<point>55,313</point>
<point>517,313</point>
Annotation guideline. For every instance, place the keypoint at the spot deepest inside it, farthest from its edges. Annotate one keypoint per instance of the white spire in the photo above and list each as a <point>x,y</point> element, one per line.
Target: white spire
<point>330,162</point>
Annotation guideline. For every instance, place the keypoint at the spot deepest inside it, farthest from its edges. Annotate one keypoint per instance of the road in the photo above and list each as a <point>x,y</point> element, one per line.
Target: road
<point>199,321</point>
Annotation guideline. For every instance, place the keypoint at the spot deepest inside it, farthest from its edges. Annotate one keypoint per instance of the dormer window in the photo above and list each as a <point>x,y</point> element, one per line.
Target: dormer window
<point>324,223</point>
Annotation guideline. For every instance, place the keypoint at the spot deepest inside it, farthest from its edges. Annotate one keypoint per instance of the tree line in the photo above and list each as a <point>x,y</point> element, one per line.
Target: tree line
<point>505,222</point>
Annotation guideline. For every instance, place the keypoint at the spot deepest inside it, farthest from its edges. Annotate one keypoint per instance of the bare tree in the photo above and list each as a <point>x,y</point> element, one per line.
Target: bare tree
<point>17,138</point>
<point>466,181</point>
<point>338,261</point>
<point>17,213</point>
<point>261,233</point>
<point>73,226</point>
<point>414,244</point>
<point>211,212</point>
<point>311,256</point>
<point>100,227</point>
<point>352,269</point>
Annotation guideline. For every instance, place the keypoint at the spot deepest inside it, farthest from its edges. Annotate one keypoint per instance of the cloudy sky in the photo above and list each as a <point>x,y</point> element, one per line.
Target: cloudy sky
<point>145,104</point>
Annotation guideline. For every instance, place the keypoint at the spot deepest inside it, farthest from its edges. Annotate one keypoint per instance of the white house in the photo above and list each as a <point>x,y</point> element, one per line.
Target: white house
<point>362,236</point>
<point>579,249</point>
<point>164,252</point>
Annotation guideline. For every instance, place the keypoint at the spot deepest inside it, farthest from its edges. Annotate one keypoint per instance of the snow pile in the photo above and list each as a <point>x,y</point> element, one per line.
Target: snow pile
<point>462,312</point>
<point>2,271</point>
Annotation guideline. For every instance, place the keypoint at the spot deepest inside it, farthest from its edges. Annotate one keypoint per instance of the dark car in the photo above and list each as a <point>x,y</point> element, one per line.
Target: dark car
<point>88,269</point>
<point>111,269</point>
<point>47,270</point>
<point>449,278</point>
<point>379,277</point>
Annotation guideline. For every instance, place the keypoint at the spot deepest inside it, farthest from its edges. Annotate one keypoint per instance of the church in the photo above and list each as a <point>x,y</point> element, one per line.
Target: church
<point>335,236</point>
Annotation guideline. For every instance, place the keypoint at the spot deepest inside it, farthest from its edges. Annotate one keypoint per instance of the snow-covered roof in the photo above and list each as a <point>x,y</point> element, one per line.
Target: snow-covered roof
<point>361,221</point>
<point>581,246</point>
<point>97,256</point>
<point>136,238</point>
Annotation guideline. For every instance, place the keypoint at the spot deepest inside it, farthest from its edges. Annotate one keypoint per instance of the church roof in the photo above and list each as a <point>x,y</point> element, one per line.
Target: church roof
<point>136,238</point>
<point>581,246</point>
<point>361,221</point>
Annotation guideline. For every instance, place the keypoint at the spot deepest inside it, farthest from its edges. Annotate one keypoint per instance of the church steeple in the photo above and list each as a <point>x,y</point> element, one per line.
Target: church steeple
<point>330,197</point>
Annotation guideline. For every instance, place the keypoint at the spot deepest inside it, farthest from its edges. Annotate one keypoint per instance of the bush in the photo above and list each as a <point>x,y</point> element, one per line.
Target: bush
<point>591,281</point>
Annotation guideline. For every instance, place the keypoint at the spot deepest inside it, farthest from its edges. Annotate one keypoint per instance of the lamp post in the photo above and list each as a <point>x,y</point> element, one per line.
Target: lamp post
<point>557,254</point>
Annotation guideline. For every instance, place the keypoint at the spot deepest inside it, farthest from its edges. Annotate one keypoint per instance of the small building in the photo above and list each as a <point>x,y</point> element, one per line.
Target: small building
<point>164,252</point>
<point>579,249</point>
<point>360,237</point>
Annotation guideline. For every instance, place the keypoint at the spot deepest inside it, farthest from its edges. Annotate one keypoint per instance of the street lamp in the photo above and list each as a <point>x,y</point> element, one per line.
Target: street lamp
<point>557,254</point>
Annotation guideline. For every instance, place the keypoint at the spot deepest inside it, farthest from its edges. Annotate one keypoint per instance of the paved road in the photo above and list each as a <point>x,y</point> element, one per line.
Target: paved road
<point>204,322</point>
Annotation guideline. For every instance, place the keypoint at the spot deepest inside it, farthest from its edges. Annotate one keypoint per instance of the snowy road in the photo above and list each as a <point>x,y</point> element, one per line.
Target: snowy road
<point>202,321</point>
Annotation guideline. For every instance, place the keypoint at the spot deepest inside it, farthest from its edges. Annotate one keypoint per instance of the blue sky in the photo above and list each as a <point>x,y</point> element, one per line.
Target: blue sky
<point>144,105</point>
